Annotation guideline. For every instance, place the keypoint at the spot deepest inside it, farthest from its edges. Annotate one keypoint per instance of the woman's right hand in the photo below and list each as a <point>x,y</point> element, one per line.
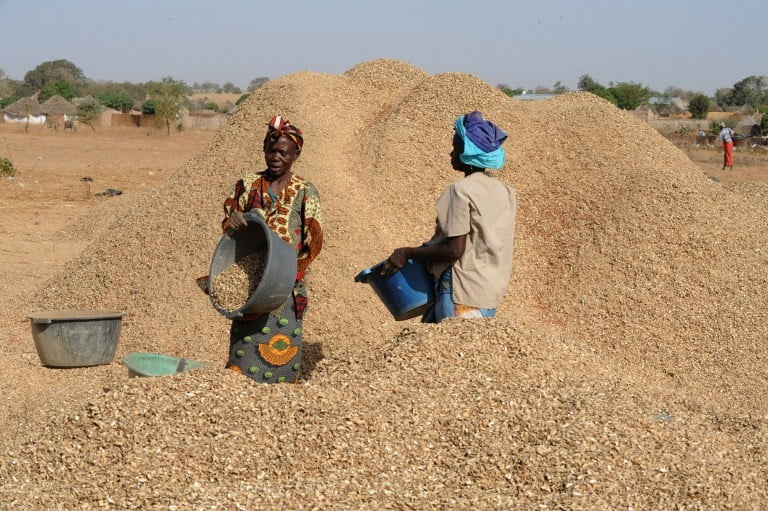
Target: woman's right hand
<point>397,260</point>
<point>237,220</point>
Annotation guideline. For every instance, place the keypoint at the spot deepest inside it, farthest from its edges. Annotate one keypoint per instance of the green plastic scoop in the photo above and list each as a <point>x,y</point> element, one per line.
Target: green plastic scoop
<point>155,364</point>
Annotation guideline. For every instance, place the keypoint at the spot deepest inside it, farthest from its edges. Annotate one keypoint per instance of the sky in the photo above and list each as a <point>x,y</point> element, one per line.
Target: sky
<point>695,45</point>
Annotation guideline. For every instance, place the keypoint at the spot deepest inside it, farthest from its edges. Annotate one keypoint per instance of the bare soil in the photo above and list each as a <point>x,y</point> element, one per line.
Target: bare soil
<point>61,176</point>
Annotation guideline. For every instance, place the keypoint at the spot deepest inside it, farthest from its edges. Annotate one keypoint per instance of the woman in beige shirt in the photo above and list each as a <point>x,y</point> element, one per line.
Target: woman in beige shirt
<point>470,255</point>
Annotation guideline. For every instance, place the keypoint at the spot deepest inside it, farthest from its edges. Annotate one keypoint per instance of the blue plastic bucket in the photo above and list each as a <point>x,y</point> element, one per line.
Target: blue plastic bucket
<point>407,293</point>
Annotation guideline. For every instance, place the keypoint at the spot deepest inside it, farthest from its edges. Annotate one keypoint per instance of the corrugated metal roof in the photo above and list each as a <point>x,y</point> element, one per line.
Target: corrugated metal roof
<point>533,96</point>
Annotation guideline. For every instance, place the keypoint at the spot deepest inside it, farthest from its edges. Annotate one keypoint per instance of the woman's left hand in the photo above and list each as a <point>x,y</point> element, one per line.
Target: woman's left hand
<point>237,220</point>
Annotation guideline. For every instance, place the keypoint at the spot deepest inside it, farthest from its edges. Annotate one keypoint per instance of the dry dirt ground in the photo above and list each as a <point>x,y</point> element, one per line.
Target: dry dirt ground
<point>626,368</point>
<point>48,192</point>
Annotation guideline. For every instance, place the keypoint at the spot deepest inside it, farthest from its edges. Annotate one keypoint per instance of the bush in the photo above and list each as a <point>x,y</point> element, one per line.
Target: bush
<point>118,100</point>
<point>714,126</point>
<point>6,167</point>
<point>88,110</point>
<point>9,101</point>
<point>699,106</point>
<point>212,106</point>
<point>149,106</point>
<point>57,88</point>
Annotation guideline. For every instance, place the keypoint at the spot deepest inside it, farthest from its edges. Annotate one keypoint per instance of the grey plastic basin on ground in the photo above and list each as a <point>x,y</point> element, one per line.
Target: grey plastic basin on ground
<point>279,274</point>
<point>76,338</point>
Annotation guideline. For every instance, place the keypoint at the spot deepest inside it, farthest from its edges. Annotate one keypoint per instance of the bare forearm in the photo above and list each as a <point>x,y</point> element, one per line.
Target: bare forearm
<point>439,252</point>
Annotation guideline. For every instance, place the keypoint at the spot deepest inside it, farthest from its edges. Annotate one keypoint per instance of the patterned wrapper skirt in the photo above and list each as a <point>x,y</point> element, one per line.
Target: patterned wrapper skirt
<point>268,348</point>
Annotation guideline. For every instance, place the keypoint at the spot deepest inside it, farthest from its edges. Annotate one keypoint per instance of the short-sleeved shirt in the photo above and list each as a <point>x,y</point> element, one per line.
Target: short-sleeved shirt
<point>483,208</point>
<point>726,135</point>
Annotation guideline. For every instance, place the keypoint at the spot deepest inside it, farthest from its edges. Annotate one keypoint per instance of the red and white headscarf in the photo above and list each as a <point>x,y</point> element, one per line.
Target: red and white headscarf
<point>278,127</point>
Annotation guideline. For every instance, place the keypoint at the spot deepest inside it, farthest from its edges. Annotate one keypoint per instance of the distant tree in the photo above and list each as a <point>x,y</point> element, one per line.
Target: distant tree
<point>699,106</point>
<point>587,84</point>
<point>64,89</point>
<point>137,91</point>
<point>509,91</point>
<point>8,101</point>
<point>750,91</point>
<point>6,85</point>
<point>257,83</point>
<point>209,87</point>
<point>52,71</point>
<point>88,110</point>
<point>169,97</point>
<point>540,89</point>
<point>723,96</point>
<point>677,92</point>
<point>559,88</point>
<point>121,100</point>
<point>149,107</point>
<point>630,95</point>
<point>230,88</point>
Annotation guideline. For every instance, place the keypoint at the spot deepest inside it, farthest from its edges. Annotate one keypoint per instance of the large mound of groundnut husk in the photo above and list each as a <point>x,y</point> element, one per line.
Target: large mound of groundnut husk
<point>627,367</point>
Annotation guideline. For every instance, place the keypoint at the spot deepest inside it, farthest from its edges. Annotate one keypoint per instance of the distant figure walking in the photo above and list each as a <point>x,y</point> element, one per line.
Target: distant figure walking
<point>726,137</point>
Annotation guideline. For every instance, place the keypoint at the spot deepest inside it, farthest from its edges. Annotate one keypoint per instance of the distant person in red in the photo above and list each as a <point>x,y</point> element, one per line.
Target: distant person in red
<point>726,137</point>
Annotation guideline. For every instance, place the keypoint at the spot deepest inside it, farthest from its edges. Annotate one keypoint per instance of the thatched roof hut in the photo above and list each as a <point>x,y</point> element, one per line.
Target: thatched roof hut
<point>24,107</point>
<point>56,105</point>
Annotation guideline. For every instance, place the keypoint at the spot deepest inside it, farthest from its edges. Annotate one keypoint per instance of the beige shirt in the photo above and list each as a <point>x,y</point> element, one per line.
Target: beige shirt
<point>483,208</point>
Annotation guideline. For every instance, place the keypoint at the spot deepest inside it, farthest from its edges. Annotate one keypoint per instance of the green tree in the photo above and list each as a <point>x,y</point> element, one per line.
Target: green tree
<point>137,91</point>
<point>699,106</point>
<point>230,88</point>
<point>587,84</point>
<point>630,95</point>
<point>509,91</point>
<point>64,89</point>
<point>750,91</point>
<point>209,87</point>
<point>559,88</point>
<point>8,101</point>
<point>169,97</point>
<point>242,98</point>
<point>88,110</point>
<point>54,70</point>
<point>118,100</point>
<point>6,85</point>
<point>257,83</point>
<point>149,107</point>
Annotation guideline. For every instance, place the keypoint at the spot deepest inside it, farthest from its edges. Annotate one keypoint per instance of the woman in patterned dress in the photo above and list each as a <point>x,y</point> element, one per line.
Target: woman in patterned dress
<point>267,347</point>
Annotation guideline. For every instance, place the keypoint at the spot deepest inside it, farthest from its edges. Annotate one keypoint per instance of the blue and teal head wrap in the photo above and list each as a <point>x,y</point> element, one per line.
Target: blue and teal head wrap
<point>482,141</point>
